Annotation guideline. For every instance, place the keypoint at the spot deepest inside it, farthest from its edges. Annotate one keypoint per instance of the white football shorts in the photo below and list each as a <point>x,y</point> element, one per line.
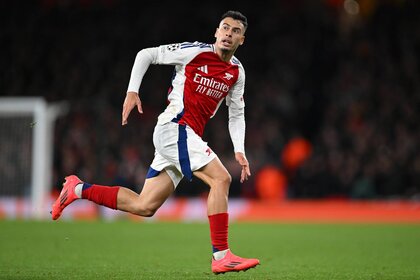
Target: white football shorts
<point>178,150</point>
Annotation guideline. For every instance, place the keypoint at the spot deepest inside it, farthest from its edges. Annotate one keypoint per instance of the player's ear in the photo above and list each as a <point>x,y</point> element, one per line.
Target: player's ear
<point>215,33</point>
<point>242,41</point>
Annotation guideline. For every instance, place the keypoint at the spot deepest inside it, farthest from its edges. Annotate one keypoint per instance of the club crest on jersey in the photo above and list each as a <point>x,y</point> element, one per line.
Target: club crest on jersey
<point>173,47</point>
<point>228,76</point>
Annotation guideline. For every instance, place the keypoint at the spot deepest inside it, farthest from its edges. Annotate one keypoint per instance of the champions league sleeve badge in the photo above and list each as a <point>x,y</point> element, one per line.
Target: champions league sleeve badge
<point>173,47</point>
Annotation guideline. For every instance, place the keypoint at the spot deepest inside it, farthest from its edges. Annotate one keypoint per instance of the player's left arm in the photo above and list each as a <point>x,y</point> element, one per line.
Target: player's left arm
<point>236,104</point>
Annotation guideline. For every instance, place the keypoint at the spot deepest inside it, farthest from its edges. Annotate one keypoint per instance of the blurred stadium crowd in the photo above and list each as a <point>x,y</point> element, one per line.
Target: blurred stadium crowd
<point>332,93</point>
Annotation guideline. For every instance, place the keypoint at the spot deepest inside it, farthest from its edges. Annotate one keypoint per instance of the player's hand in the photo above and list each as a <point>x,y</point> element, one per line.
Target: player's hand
<point>240,157</point>
<point>132,99</point>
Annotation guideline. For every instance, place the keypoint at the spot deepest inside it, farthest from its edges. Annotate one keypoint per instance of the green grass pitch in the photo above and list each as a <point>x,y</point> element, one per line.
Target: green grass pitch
<point>142,250</point>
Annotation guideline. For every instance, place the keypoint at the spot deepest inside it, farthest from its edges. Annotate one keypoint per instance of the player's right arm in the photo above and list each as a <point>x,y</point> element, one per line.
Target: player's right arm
<point>132,99</point>
<point>174,54</point>
<point>143,60</point>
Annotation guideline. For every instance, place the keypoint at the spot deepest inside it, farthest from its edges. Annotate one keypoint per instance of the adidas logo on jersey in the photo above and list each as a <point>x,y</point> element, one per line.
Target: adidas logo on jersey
<point>203,69</point>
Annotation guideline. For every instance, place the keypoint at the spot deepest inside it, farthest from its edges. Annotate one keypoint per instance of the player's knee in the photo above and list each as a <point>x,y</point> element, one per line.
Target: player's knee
<point>149,212</point>
<point>224,180</point>
<point>228,179</point>
<point>144,210</point>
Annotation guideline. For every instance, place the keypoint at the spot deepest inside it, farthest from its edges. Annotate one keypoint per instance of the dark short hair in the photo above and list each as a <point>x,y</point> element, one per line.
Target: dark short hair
<point>237,16</point>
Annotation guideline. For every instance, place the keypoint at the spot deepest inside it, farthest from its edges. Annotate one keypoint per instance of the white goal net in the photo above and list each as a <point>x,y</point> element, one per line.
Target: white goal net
<point>26,138</point>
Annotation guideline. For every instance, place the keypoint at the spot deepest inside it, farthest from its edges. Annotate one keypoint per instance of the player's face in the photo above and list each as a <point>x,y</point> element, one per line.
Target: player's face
<point>229,35</point>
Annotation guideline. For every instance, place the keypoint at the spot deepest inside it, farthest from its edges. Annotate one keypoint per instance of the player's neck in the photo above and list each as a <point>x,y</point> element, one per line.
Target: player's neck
<point>225,56</point>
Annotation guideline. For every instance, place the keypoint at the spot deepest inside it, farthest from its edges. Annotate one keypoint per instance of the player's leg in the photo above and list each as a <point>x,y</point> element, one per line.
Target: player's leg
<point>218,178</point>
<point>155,191</point>
<point>215,175</point>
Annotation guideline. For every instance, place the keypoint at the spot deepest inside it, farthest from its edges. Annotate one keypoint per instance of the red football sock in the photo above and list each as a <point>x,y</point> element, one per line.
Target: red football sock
<point>101,195</point>
<point>219,224</point>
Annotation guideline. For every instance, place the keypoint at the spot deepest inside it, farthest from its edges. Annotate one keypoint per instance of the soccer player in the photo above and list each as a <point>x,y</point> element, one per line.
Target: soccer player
<point>205,75</point>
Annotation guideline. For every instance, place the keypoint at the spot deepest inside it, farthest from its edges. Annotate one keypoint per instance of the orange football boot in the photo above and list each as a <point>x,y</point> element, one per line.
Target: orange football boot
<point>66,196</point>
<point>232,263</point>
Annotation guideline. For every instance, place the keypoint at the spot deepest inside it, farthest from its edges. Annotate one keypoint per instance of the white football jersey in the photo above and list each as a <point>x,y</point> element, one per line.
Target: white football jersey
<point>200,83</point>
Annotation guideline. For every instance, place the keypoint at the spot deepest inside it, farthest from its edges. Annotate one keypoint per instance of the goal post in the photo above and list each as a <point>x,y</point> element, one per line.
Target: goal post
<point>26,132</point>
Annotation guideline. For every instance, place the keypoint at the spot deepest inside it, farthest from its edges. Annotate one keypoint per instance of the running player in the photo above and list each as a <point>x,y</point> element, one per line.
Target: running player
<point>205,75</point>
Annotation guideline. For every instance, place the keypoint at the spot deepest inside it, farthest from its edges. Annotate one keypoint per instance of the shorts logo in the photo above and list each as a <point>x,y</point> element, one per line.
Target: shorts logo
<point>209,151</point>
<point>173,47</point>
